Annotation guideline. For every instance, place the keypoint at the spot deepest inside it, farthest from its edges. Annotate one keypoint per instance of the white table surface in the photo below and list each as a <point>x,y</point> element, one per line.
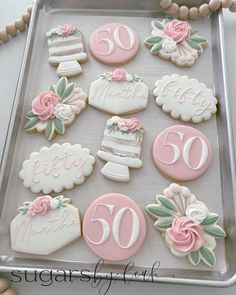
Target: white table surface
<point>10,61</point>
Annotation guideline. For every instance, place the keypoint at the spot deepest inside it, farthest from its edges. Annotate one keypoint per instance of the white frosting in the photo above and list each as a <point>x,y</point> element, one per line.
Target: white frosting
<point>197,211</point>
<point>118,40</point>
<point>118,97</point>
<point>44,234</point>
<point>56,168</point>
<point>169,45</point>
<point>63,112</point>
<point>185,98</point>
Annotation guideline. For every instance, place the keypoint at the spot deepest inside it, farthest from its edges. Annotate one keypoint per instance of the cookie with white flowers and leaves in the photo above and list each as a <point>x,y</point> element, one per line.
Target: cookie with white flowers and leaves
<point>188,228</point>
<point>118,92</point>
<point>45,225</point>
<point>175,40</point>
<point>55,109</point>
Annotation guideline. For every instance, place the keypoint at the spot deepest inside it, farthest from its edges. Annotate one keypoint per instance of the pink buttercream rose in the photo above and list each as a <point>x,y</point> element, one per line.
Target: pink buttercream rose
<point>40,206</point>
<point>132,124</point>
<point>119,75</point>
<point>177,30</point>
<point>43,105</point>
<point>185,235</point>
<point>67,29</point>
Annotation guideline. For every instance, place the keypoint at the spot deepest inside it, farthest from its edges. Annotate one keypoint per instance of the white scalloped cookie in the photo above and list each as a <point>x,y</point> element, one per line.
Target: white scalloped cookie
<point>45,225</point>
<point>56,168</point>
<point>185,99</point>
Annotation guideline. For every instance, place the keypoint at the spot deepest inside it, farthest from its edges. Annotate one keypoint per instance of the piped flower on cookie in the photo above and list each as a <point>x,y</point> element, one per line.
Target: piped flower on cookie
<point>61,31</point>
<point>54,110</point>
<point>175,40</point>
<point>188,228</point>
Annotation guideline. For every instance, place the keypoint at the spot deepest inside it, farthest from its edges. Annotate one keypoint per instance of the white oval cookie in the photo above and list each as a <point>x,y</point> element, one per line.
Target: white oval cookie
<point>56,168</point>
<point>185,98</point>
<point>45,225</point>
<point>118,93</point>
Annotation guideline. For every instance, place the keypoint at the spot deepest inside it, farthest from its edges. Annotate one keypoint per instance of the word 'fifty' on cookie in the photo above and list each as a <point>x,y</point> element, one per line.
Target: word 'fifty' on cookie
<point>182,153</point>
<point>120,229</point>
<point>184,98</point>
<point>66,49</point>
<point>45,225</point>
<point>118,93</point>
<point>175,40</point>
<point>56,109</point>
<point>188,228</point>
<point>114,44</point>
<point>121,147</point>
<point>55,168</point>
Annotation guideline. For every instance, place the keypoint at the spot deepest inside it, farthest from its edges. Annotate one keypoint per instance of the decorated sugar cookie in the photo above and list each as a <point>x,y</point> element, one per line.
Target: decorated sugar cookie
<point>175,40</point>
<point>185,98</point>
<point>121,147</point>
<point>45,225</point>
<point>55,168</point>
<point>114,227</point>
<point>188,228</point>
<point>66,49</point>
<point>56,109</point>
<point>114,44</point>
<point>182,153</point>
<point>118,93</point>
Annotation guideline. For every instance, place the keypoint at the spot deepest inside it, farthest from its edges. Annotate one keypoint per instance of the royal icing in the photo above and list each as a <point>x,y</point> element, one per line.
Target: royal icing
<point>45,225</point>
<point>118,93</point>
<point>182,152</point>
<point>114,43</point>
<point>114,227</point>
<point>54,110</point>
<point>175,40</point>
<point>121,147</point>
<point>66,48</point>
<point>185,98</point>
<point>189,229</point>
<point>58,167</point>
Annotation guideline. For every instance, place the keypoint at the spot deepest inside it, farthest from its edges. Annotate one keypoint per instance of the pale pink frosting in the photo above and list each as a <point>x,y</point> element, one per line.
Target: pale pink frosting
<point>118,75</point>
<point>43,105</point>
<point>40,206</point>
<point>132,124</point>
<point>185,235</point>
<point>67,29</point>
<point>177,30</point>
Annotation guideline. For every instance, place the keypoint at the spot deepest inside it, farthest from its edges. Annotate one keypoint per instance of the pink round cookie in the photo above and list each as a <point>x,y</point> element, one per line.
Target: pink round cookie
<point>114,227</point>
<point>182,152</point>
<point>114,44</point>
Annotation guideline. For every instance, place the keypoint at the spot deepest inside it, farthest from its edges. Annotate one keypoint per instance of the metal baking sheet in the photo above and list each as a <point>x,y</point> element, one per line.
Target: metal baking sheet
<point>216,188</point>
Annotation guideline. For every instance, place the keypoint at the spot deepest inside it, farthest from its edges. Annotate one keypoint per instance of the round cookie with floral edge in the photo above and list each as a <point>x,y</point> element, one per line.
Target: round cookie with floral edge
<point>175,40</point>
<point>56,109</point>
<point>114,227</point>
<point>188,228</point>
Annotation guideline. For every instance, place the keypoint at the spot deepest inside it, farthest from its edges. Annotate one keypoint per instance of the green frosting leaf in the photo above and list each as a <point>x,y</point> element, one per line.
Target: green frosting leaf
<point>156,48</point>
<point>49,130</point>
<point>61,86</point>
<point>31,123</point>
<point>194,32</point>
<point>159,25</point>
<point>198,39</point>
<point>30,115</point>
<point>52,88</point>
<point>194,45</point>
<point>163,223</point>
<point>211,218</point>
<point>68,90</point>
<point>153,40</point>
<point>214,230</point>
<point>169,204</point>
<point>59,126</point>
<point>208,256</point>
<point>195,257</point>
<point>158,211</point>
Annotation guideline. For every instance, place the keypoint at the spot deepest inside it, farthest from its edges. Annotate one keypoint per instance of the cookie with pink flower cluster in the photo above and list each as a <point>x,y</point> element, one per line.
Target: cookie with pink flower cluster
<point>188,228</point>
<point>121,147</point>
<point>118,92</point>
<point>45,225</point>
<point>66,49</point>
<point>175,40</point>
<point>54,110</point>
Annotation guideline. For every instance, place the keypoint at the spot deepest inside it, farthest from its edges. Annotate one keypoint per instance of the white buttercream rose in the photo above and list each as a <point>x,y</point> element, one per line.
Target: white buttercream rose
<point>197,211</point>
<point>169,45</point>
<point>113,120</point>
<point>63,112</point>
